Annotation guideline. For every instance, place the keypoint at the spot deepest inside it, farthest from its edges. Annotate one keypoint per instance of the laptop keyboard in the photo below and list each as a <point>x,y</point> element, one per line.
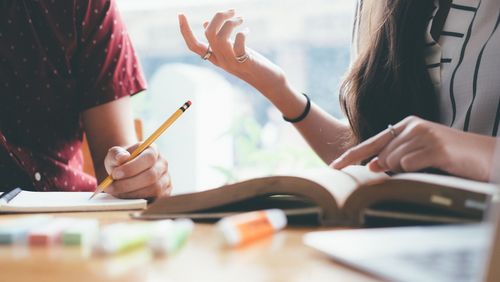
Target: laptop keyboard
<point>453,265</point>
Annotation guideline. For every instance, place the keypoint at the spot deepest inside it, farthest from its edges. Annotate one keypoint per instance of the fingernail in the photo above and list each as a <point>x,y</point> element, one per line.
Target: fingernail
<point>118,174</point>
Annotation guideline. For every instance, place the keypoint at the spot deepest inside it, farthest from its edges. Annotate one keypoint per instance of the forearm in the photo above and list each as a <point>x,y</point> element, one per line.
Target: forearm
<point>327,136</point>
<point>108,125</point>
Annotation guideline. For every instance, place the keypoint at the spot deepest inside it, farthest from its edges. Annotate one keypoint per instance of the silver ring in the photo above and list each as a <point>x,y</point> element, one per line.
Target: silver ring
<point>392,131</point>
<point>207,54</point>
<point>242,59</point>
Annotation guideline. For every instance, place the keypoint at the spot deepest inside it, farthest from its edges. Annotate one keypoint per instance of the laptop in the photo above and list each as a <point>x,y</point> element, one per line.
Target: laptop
<point>455,253</point>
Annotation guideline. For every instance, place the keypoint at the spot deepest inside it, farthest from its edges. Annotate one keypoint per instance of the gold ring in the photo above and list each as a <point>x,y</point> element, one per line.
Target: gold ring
<point>242,59</point>
<point>392,131</point>
<point>207,54</point>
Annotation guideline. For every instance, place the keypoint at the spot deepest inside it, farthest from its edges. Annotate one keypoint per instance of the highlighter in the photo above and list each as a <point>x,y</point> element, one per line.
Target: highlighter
<point>246,227</point>
<point>122,237</point>
<point>170,235</point>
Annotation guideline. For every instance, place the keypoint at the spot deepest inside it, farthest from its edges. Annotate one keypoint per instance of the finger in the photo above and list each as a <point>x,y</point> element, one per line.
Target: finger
<point>216,23</point>
<point>239,44</point>
<point>406,135</point>
<point>392,161</point>
<point>192,42</point>
<point>115,157</point>
<point>144,179</point>
<point>374,165</point>
<point>141,163</point>
<point>369,148</point>
<point>227,29</point>
<point>389,157</point>
<point>417,160</point>
<point>162,188</point>
<point>223,46</point>
<point>205,24</point>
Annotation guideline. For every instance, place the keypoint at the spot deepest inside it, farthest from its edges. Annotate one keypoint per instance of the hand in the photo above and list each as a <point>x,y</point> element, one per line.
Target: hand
<point>146,176</point>
<point>420,144</point>
<point>256,70</point>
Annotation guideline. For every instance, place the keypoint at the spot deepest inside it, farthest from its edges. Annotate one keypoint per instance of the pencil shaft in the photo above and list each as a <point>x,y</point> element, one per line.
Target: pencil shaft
<point>150,140</point>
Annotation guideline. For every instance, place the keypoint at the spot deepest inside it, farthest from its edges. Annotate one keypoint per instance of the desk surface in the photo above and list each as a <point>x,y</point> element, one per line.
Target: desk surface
<point>280,258</point>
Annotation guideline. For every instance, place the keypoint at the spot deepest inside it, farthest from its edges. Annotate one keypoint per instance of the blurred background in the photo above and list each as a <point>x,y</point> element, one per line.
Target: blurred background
<point>231,132</point>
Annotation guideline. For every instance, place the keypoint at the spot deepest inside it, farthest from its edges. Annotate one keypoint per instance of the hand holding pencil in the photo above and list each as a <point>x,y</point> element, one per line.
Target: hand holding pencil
<point>139,166</point>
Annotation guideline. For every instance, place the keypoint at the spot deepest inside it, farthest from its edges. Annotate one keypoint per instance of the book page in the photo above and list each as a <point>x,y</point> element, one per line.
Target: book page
<point>450,181</point>
<point>28,201</point>
<point>338,183</point>
<point>364,176</point>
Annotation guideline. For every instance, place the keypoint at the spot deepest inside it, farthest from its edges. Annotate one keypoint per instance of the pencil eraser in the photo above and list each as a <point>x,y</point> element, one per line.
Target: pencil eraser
<point>189,102</point>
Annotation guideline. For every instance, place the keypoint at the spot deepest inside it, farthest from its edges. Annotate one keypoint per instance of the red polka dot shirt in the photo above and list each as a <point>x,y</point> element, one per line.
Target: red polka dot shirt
<point>57,59</point>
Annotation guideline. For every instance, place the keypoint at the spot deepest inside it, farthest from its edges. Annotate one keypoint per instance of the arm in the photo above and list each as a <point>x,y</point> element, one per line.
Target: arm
<point>111,135</point>
<point>108,125</point>
<point>326,135</point>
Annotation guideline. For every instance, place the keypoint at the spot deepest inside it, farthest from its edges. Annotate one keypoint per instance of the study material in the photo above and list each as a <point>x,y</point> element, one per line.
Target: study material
<point>49,233</point>
<point>246,227</point>
<point>150,140</point>
<point>6,197</point>
<point>28,201</point>
<point>354,196</point>
<point>122,237</point>
<point>83,232</point>
<point>170,235</point>
<point>16,230</point>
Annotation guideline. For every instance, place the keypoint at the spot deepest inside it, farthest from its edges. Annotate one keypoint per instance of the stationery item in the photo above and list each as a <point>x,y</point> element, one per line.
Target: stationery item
<point>354,196</point>
<point>16,230</point>
<point>108,180</point>
<point>246,227</point>
<point>121,237</point>
<point>82,232</point>
<point>49,233</point>
<point>27,201</point>
<point>6,197</point>
<point>169,236</point>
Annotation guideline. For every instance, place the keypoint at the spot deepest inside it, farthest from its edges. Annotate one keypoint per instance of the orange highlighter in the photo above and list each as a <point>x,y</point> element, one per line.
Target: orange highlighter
<point>246,227</point>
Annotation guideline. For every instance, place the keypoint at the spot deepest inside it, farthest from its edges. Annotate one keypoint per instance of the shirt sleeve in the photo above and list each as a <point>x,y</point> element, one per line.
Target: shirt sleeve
<point>105,62</point>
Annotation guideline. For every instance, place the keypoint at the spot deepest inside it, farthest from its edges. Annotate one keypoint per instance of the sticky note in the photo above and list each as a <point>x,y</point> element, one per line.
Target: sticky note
<point>50,233</point>
<point>81,232</point>
<point>16,230</point>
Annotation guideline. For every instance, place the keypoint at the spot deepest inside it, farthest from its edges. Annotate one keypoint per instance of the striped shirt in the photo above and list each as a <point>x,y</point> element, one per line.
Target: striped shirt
<point>464,65</point>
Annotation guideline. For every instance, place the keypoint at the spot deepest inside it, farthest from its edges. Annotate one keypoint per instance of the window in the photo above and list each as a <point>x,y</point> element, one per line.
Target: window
<point>231,132</point>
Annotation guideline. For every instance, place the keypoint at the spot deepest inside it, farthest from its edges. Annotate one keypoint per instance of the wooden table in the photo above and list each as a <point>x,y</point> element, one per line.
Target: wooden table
<point>282,257</point>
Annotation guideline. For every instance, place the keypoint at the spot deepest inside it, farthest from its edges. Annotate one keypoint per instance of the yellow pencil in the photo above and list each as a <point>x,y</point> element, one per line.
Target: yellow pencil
<point>106,182</point>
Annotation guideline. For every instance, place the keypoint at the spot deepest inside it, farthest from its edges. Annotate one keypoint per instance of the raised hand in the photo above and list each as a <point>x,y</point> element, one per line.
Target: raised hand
<point>233,56</point>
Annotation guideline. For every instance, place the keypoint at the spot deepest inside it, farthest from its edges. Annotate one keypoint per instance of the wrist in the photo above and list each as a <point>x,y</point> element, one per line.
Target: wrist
<point>288,101</point>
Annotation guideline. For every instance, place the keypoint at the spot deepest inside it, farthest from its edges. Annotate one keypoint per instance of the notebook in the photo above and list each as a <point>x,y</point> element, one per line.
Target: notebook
<point>28,201</point>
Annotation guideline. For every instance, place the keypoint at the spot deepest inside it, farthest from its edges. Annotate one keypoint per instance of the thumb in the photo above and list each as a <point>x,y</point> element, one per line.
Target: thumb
<point>116,156</point>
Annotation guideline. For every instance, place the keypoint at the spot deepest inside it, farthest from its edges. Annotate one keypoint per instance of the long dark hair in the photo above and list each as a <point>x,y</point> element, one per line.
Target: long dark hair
<point>389,80</point>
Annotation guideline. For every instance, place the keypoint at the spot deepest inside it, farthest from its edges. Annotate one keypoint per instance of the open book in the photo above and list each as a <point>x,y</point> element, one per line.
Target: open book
<point>354,196</point>
<point>27,201</point>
